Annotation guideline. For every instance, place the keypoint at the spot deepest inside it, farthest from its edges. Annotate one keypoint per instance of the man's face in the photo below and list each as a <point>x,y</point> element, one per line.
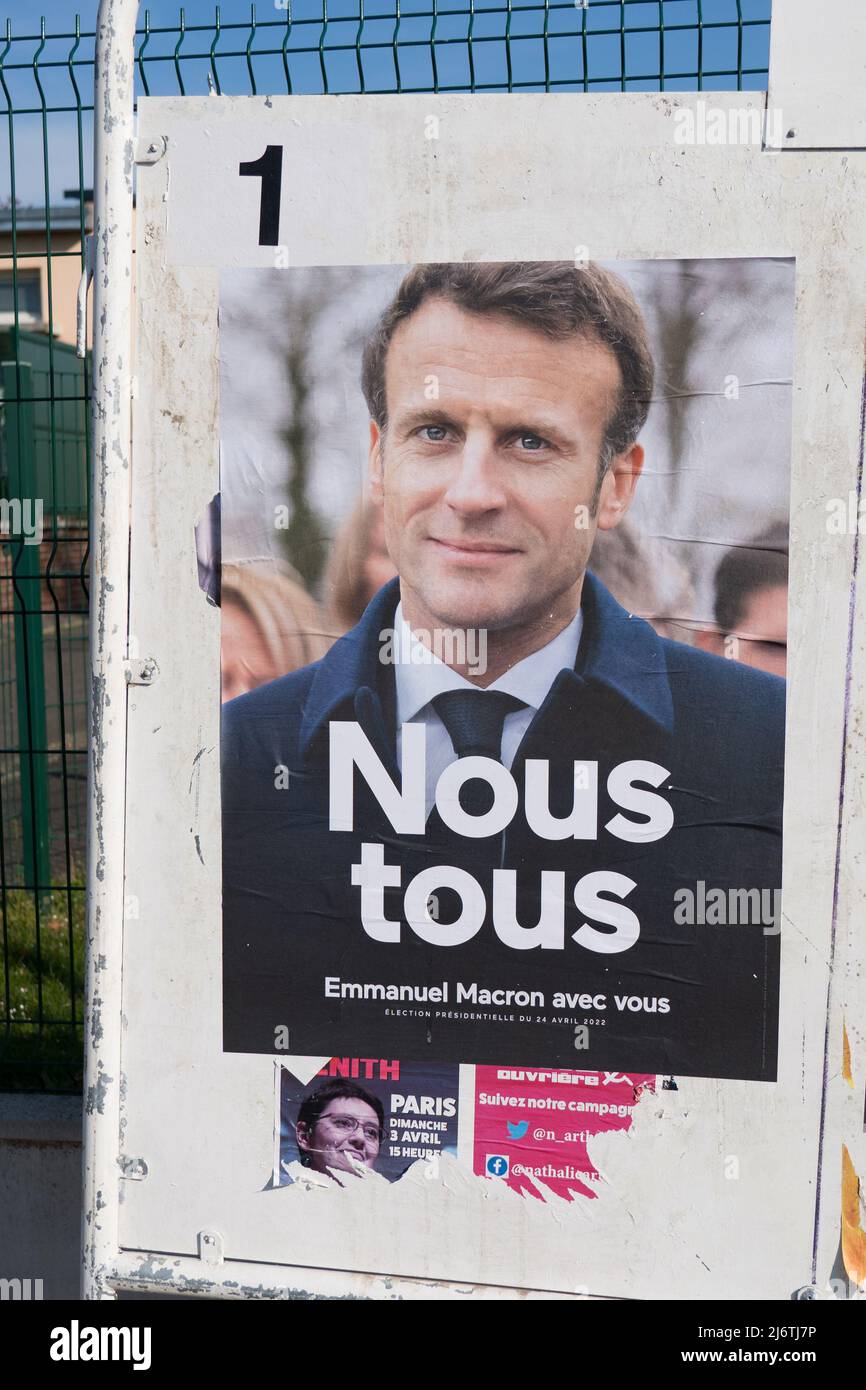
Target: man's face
<point>489,465</point>
<point>337,1142</point>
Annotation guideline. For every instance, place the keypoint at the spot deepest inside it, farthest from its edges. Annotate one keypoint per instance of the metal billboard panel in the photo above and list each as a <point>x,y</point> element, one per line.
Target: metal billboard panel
<point>505,178</point>
<point>817,88</point>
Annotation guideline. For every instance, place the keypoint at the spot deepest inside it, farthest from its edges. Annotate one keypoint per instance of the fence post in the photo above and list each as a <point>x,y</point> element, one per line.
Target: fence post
<point>29,656</point>
<point>113,163</point>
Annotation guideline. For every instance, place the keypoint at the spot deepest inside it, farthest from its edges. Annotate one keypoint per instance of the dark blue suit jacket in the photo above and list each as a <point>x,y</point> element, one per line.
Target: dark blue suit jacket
<point>292,916</point>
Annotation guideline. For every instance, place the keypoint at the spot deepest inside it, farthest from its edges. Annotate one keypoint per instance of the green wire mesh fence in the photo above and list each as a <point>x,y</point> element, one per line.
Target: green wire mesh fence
<point>46,87</point>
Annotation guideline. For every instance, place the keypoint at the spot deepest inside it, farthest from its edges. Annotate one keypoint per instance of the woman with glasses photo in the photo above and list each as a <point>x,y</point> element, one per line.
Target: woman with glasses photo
<point>340,1126</point>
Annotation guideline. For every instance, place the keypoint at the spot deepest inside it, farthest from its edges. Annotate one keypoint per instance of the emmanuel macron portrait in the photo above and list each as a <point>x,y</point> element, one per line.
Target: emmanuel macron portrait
<point>480,861</point>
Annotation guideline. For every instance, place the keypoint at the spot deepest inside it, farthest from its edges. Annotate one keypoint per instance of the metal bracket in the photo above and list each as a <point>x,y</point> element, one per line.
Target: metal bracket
<point>141,672</point>
<point>134,1168</point>
<point>210,1247</point>
<point>81,303</point>
<point>150,151</point>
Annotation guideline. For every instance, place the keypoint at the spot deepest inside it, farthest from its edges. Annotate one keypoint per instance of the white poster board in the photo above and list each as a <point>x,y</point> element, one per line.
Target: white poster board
<point>718,1188</point>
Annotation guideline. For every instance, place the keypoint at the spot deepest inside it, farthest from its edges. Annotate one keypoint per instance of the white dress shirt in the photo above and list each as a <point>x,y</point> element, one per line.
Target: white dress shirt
<point>424,675</point>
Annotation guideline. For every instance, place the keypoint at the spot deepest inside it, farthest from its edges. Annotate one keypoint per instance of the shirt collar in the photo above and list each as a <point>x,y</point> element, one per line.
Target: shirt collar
<point>421,675</point>
<point>617,650</point>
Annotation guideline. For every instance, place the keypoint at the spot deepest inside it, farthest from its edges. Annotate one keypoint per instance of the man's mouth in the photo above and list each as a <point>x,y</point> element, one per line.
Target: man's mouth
<point>474,550</point>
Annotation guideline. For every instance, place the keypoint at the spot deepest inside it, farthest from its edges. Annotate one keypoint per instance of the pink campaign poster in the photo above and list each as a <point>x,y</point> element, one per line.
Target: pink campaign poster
<point>532,1126</point>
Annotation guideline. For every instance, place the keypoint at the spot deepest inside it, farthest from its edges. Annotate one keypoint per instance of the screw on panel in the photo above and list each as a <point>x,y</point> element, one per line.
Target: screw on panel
<point>134,1168</point>
<point>142,672</point>
<point>150,152</point>
<point>210,1247</point>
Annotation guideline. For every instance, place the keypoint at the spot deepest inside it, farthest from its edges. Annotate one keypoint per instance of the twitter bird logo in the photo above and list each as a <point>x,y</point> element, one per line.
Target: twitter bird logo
<point>517,1131</point>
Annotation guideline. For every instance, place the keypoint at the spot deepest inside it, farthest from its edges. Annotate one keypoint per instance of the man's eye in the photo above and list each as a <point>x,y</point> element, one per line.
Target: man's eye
<point>434,433</point>
<point>532,442</point>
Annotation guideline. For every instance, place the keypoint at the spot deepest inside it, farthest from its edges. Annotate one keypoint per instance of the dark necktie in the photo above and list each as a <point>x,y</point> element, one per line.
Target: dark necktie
<point>474,720</point>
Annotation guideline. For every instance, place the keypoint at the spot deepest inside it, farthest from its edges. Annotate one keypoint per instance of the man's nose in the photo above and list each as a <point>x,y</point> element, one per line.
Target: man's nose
<point>476,483</point>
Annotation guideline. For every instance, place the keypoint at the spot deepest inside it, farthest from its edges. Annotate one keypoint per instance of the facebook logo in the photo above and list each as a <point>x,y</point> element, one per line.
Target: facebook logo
<point>496,1166</point>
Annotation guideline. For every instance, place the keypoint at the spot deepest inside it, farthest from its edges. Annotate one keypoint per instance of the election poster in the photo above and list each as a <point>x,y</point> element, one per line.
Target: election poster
<point>363,1115</point>
<point>501,555</point>
<point>533,1128</point>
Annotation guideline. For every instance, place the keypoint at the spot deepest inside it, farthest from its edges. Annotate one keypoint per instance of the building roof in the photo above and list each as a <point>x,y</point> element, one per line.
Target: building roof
<point>65,217</point>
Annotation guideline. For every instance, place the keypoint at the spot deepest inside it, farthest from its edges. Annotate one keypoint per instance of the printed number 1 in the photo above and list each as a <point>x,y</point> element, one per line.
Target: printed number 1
<point>270,170</point>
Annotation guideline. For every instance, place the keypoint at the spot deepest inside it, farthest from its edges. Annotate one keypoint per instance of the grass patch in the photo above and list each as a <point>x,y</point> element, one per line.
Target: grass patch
<point>41,1049</point>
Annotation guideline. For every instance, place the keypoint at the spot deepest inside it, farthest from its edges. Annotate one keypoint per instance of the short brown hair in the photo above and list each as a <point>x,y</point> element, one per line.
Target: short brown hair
<point>556,298</point>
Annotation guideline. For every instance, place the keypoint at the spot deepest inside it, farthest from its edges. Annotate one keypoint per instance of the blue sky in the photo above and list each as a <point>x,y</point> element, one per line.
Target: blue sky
<point>564,57</point>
